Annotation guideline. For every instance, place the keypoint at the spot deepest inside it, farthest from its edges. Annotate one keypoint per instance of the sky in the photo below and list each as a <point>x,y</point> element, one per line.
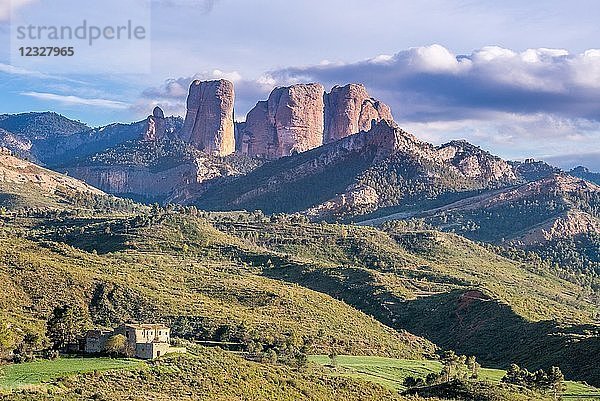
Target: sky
<point>520,79</point>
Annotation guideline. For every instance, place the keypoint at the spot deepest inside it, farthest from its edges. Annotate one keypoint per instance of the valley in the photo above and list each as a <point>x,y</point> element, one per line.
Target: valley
<point>336,252</point>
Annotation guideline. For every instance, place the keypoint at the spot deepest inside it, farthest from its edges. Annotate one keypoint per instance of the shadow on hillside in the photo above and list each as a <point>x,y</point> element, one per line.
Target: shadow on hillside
<point>90,235</point>
<point>464,320</point>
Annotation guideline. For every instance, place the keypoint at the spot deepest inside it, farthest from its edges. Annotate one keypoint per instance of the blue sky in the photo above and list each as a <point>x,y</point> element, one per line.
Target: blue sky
<point>517,78</point>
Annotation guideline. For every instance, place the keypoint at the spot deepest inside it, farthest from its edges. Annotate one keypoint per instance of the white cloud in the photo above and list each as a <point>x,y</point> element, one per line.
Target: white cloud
<point>431,83</point>
<point>536,103</point>
<point>434,58</point>
<point>12,70</point>
<point>76,100</point>
<point>171,95</point>
<point>26,73</point>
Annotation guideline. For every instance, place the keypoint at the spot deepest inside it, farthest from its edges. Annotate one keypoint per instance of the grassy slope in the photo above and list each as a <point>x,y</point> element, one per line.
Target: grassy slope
<point>181,266</point>
<point>151,278</point>
<point>420,263</point>
<point>446,288</point>
<point>210,375</point>
<point>34,373</point>
<point>390,373</point>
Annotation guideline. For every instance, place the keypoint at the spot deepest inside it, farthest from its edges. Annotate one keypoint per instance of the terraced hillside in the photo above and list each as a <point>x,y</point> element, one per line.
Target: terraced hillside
<point>443,287</point>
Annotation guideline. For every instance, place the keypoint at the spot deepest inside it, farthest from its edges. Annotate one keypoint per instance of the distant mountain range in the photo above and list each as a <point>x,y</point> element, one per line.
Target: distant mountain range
<point>329,156</point>
<point>586,174</point>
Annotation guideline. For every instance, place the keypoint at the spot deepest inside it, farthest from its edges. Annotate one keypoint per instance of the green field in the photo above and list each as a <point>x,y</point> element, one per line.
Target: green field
<point>33,373</point>
<point>390,373</point>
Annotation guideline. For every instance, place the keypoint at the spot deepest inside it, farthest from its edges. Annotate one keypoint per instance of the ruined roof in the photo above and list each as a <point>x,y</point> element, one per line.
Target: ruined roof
<point>97,332</point>
<point>149,326</point>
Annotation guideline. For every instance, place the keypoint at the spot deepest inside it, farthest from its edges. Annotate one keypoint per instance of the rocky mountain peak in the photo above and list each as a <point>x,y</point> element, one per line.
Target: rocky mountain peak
<point>472,161</point>
<point>290,121</point>
<point>586,174</point>
<point>349,109</point>
<point>301,117</point>
<point>156,125</point>
<point>209,122</point>
<point>158,112</point>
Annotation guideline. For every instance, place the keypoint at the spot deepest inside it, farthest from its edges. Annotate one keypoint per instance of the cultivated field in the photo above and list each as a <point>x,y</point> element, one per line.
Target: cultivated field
<point>391,372</point>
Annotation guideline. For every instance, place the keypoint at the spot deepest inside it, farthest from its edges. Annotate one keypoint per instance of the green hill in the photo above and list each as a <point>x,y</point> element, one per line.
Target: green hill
<point>45,125</point>
<point>281,285</point>
<point>177,270</point>
<point>442,287</point>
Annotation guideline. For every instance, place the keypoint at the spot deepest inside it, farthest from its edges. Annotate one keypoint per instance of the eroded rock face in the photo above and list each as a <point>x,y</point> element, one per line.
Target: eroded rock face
<point>290,121</point>
<point>260,135</point>
<point>472,162</point>
<point>349,109</point>
<point>156,125</point>
<point>301,117</point>
<point>209,122</point>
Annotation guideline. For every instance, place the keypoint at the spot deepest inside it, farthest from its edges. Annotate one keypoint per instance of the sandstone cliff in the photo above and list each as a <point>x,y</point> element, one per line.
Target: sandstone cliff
<point>290,121</point>
<point>209,119</point>
<point>141,182</point>
<point>301,117</point>
<point>156,125</point>
<point>349,109</point>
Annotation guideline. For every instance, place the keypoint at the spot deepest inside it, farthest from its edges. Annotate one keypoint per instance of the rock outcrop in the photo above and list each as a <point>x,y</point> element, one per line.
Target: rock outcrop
<point>17,144</point>
<point>259,138</point>
<point>21,173</point>
<point>209,122</point>
<point>290,121</point>
<point>301,117</point>
<point>349,109</point>
<point>473,162</point>
<point>156,125</point>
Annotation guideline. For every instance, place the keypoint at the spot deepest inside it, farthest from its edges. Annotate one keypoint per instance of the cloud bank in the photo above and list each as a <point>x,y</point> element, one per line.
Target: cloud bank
<point>171,95</point>
<point>539,102</point>
<point>77,101</point>
<point>431,83</point>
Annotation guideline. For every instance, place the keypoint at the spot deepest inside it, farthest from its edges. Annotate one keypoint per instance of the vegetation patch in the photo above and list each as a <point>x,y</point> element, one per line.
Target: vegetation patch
<point>32,373</point>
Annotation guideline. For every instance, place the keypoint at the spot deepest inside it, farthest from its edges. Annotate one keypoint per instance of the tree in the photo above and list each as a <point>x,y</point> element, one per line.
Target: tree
<point>513,375</point>
<point>333,357</point>
<point>473,367</point>
<point>411,382</point>
<point>65,325</point>
<point>271,355</point>
<point>450,360</point>
<point>8,339</point>
<point>432,378</point>
<point>31,342</point>
<point>556,381</point>
<point>118,345</point>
